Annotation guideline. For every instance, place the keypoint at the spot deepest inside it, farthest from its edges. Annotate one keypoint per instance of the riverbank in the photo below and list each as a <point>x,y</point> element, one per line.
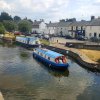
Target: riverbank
<point>92,54</point>
<point>80,57</point>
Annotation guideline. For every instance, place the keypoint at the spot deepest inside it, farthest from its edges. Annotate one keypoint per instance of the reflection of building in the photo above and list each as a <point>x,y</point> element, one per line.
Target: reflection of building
<point>38,26</point>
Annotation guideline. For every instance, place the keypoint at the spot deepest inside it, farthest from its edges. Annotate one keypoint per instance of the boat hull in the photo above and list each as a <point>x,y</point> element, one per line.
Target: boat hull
<point>27,45</point>
<point>50,63</point>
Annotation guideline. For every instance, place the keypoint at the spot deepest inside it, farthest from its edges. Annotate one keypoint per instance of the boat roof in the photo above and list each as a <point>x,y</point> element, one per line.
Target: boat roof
<point>49,53</point>
<point>26,38</point>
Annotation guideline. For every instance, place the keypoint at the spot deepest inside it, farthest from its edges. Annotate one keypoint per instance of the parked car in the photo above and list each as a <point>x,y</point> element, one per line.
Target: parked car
<point>46,37</point>
<point>68,37</point>
<point>94,39</point>
<point>80,37</point>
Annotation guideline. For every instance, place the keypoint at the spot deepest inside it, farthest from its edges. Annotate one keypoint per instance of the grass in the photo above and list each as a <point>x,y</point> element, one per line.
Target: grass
<point>43,41</point>
<point>92,54</point>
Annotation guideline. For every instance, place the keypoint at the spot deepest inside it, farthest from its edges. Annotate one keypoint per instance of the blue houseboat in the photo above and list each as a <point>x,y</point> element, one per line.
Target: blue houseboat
<point>51,58</point>
<point>28,42</point>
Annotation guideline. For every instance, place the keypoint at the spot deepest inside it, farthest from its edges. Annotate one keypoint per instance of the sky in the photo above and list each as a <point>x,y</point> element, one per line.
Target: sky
<point>51,10</point>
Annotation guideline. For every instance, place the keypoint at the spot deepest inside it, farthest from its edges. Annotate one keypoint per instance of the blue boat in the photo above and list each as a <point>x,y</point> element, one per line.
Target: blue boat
<point>51,58</point>
<point>28,42</point>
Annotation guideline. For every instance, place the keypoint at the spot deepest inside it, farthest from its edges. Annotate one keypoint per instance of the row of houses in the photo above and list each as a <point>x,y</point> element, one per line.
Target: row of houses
<point>73,28</point>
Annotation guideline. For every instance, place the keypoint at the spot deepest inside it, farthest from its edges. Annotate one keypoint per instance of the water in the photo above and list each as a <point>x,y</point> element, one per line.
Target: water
<point>24,78</point>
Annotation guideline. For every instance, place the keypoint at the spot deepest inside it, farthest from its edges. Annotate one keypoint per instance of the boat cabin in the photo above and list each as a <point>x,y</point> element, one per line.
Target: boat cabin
<point>28,40</point>
<point>51,55</point>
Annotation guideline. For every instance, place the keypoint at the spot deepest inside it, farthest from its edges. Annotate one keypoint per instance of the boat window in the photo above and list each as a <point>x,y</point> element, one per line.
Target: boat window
<point>49,58</point>
<point>41,54</point>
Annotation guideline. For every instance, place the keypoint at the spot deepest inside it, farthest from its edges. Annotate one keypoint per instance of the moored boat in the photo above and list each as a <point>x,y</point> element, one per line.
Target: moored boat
<point>28,42</point>
<point>51,58</point>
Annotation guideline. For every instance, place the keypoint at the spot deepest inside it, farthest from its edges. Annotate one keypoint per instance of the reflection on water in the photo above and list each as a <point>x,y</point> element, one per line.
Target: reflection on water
<point>23,78</point>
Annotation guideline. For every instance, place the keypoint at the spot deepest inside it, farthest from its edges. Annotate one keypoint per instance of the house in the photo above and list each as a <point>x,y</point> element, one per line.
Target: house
<point>52,28</point>
<point>78,28</point>
<point>93,29</point>
<point>62,28</point>
<point>58,28</point>
<point>38,26</point>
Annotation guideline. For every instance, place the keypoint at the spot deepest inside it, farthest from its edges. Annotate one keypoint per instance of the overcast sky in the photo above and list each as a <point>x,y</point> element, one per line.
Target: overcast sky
<point>51,9</point>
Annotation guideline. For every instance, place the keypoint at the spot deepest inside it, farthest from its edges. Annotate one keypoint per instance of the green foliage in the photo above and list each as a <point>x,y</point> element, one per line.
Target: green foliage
<point>2,29</point>
<point>24,26</point>
<point>10,25</point>
<point>17,18</point>
<point>43,41</point>
<point>5,16</point>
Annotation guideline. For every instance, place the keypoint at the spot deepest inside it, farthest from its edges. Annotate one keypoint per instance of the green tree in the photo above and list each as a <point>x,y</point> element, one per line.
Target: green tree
<point>5,16</point>
<point>17,18</point>
<point>25,26</point>
<point>2,29</point>
<point>10,25</point>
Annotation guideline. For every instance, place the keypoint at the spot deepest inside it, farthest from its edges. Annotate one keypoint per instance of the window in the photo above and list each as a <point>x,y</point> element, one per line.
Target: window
<point>81,27</point>
<point>41,54</point>
<point>72,28</point>
<point>76,28</point>
<point>90,34</point>
<point>95,34</point>
<point>49,58</point>
<point>99,35</point>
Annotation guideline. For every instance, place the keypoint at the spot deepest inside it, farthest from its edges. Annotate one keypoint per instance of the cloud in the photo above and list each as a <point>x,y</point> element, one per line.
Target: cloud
<point>4,5</point>
<point>51,9</point>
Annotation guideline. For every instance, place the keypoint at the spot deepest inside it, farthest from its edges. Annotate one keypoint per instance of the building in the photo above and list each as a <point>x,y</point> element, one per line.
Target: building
<point>58,28</point>
<point>51,28</point>
<point>93,29</point>
<point>38,26</point>
<point>77,28</point>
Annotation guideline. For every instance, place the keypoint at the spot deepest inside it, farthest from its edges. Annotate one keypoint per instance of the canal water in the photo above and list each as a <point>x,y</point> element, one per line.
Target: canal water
<point>24,78</point>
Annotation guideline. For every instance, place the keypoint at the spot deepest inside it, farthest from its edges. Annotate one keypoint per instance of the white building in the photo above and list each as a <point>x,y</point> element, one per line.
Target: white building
<point>51,28</point>
<point>93,29</point>
<point>62,28</point>
<point>58,28</point>
<point>38,26</point>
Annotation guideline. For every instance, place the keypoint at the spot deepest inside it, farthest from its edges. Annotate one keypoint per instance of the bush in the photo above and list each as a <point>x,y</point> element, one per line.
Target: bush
<point>2,29</point>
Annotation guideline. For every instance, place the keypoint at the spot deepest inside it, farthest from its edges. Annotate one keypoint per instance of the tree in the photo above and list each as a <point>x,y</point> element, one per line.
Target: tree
<point>5,16</point>
<point>24,26</point>
<point>2,29</point>
<point>17,18</point>
<point>10,25</point>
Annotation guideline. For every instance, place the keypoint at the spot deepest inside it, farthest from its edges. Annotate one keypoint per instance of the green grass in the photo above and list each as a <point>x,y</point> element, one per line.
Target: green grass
<point>43,41</point>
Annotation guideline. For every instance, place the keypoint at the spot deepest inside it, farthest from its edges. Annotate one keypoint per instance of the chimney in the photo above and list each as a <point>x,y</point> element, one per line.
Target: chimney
<point>50,22</point>
<point>92,18</point>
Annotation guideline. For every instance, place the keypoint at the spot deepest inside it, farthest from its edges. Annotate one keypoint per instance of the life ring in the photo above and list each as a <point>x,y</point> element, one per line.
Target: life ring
<point>64,61</point>
<point>56,60</point>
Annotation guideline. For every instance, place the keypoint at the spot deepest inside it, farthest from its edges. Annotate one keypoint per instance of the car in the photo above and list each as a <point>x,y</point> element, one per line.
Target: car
<point>68,37</point>
<point>94,39</point>
<point>82,38</point>
<point>46,37</point>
